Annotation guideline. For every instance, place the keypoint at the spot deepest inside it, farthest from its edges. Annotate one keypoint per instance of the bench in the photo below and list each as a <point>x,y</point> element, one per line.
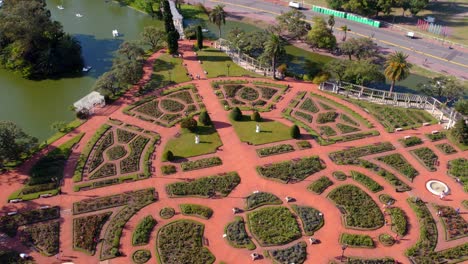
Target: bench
<point>435,132</point>
<point>398,129</point>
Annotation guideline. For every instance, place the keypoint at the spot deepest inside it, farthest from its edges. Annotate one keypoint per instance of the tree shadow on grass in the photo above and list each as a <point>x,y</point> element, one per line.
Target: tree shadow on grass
<point>205,130</point>
<point>214,58</point>
<point>161,65</point>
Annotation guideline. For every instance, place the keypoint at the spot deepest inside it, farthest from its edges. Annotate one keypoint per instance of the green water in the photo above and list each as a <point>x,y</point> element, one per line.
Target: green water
<point>35,105</point>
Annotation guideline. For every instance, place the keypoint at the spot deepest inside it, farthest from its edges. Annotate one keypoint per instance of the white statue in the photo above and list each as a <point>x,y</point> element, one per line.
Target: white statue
<point>257,128</point>
<point>197,139</point>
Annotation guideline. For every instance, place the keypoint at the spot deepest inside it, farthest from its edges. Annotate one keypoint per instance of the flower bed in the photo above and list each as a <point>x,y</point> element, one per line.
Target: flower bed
<point>350,156</point>
<point>168,169</point>
<point>399,163</point>
<point>236,234</point>
<point>197,210</point>
<point>296,253</point>
<point>446,148</point>
<point>116,152</point>
<point>171,105</point>
<point>348,120</point>
<point>291,171</point>
<point>365,180</point>
<point>399,185</point>
<point>98,158</point>
<point>311,218</point>
<point>258,199</point>
<point>249,94</point>
<point>459,168</point>
<point>201,164</point>
<point>86,231</point>
<point>437,136</point>
<point>274,150</point>
<point>360,211</point>
<point>327,131</point>
<point>167,212</point>
<point>10,223</point>
<point>150,109</point>
<point>426,156</point>
<point>303,144</point>
<point>141,256</point>
<point>106,170</point>
<point>267,92</point>
<point>355,260</point>
<point>272,226</point>
<point>339,175</point>
<point>326,117</point>
<point>43,236</point>
<point>142,232</point>
<point>205,187</point>
<point>304,116</point>
<point>320,185</point>
<point>386,240</point>
<point>399,221</point>
<point>454,224</point>
<point>309,106</point>
<point>181,242</point>
<point>132,162</point>
<point>355,240</point>
<point>183,95</point>
<point>325,106</point>
<point>386,199</point>
<point>124,136</point>
<point>411,141</point>
<point>345,129</point>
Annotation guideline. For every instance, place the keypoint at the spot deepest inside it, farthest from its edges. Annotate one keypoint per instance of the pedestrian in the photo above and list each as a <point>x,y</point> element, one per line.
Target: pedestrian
<point>386,222</point>
<point>439,213</point>
<point>457,210</point>
<point>442,195</point>
<point>396,237</point>
<point>425,60</point>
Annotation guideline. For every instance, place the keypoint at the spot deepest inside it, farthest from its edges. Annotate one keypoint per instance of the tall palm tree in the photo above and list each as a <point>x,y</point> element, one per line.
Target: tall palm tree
<point>218,17</point>
<point>274,48</point>
<point>397,67</point>
<point>345,30</point>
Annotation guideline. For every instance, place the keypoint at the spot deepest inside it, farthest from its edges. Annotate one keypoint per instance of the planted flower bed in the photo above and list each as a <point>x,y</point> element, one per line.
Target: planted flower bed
<point>296,253</point>
<point>124,136</point>
<point>196,210</point>
<point>320,185</point>
<point>365,180</point>
<point>132,162</point>
<point>168,169</point>
<point>354,260</point>
<point>274,150</point>
<point>248,94</point>
<point>10,223</point>
<point>141,256</point>
<point>311,218</point>
<point>411,141</point>
<point>106,170</point>
<point>399,163</point>
<point>348,120</point>
<point>345,129</point>
<point>303,144</point>
<point>116,152</point>
<point>43,236</point>
<point>350,156</point>
<point>258,199</point>
<point>183,95</point>
<point>339,175</point>
<point>181,242</point>
<point>201,164</point>
<point>206,187</point>
<point>386,240</point>
<point>171,105</point>
<point>399,221</point>
<point>167,212</point>
<point>427,157</point>
<point>273,226</point>
<point>399,185</point>
<point>98,158</point>
<point>360,211</point>
<point>386,199</point>
<point>86,231</point>
<point>267,92</point>
<point>291,171</point>
<point>446,148</point>
<point>309,106</point>
<point>454,224</point>
<point>326,117</point>
<point>436,136</point>
<point>237,236</point>
<point>304,116</point>
<point>142,232</point>
<point>459,168</point>
<point>327,131</point>
<point>150,109</point>
<point>355,240</point>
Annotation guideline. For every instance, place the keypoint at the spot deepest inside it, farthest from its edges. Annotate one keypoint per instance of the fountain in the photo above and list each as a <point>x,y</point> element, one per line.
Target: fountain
<point>437,187</point>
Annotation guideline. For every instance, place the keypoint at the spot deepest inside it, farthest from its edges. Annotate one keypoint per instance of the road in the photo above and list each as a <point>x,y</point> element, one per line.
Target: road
<point>424,52</point>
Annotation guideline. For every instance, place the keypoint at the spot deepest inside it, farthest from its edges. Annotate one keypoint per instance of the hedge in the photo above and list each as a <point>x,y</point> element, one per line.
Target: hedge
<point>365,180</point>
<point>320,185</point>
<point>221,184</point>
<point>142,232</point>
<point>236,234</point>
<point>355,240</point>
<point>196,210</point>
<point>292,171</point>
<point>258,199</point>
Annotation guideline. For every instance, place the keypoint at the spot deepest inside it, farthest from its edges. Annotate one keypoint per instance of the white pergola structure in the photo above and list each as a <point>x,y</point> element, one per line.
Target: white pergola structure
<point>89,102</point>
<point>177,19</point>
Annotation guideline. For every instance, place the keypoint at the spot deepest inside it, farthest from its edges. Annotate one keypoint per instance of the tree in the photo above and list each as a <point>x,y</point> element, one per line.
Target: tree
<point>331,22</point>
<point>460,131</point>
<point>363,72</point>
<point>274,49</point>
<point>295,132</point>
<point>131,50</point>
<point>218,16</point>
<point>362,48</point>
<point>320,36</point>
<point>445,88</point>
<point>107,83</point>
<point>404,4</point>
<point>128,72</point>
<point>58,126</point>
<point>462,106</point>
<point>236,114</point>
<point>153,37</point>
<point>293,22</point>
<point>173,42</point>
<point>204,118</point>
<point>345,29</point>
<point>14,142</point>
<point>415,6</point>
<point>199,38</point>
<point>337,69</point>
<point>167,16</point>
<point>397,68</point>
<point>256,116</point>
<point>168,155</point>
<point>189,123</point>
<point>385,6</point>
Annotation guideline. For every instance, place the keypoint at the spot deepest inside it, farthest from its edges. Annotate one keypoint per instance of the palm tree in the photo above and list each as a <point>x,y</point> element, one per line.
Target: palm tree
<point>274,48</point>
<point>218,17</point>
<point>345,30</point>
<point>397,68</point>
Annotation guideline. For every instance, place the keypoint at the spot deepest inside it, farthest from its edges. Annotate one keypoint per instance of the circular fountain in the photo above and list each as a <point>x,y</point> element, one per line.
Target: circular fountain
<point>437,187</point>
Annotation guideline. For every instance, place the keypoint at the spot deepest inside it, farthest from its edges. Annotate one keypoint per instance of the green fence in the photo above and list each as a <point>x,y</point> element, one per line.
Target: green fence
<point>352,17</point>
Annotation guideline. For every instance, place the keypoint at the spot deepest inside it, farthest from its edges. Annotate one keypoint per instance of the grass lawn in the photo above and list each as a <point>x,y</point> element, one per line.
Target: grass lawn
<point>270,131</point>
<point>184,146</point>
<point>215,63</point>
<point>166,64</point>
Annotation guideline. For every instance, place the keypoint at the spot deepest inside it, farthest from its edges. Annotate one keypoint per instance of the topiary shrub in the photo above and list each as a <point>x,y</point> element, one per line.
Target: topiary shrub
<point>168,155</point>
<point>189,123</point>
<point>167,212</point>
<point>295,132</point>
<point>204,118</point>
<point>236,114</point>
<point>256,116</point>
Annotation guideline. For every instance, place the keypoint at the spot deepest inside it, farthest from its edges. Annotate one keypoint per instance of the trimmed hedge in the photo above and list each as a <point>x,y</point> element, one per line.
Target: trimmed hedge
<point>296,253</point>
<point>236,234</point>
<point>320,185</point>
<point>142,232</point>
<point>311,218</point>
<point>196,210</point>
<point>141,256</point>
<point>201,164</point>
<point>206,187</point>
<point>292,171</point>
<point>258,199</point>
<point>365,180</point>
<point>411,141</point>
<point>274,150</point>
<point>355,240</point>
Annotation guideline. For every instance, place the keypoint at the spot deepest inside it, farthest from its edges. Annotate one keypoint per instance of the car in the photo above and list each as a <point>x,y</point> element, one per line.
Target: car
<point>296,5</point>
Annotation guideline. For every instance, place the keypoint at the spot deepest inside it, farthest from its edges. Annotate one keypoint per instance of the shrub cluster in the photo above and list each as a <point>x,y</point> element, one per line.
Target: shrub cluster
<point>327,131</point>
<point>106,170</point>
<point>292,171</point>
<point>249,94</point>
<point>426,156</point>
<point>304,116</point>
<point>10,223</point>
<point>350,156</point>
<point>86,231</point>
<point>43,236</point>
<point>311,218</point>
<point>206,186</point>
<point>446,148</point>
<point>366,181</point>
<point>411,141</point>
<point>296,253</point>
<point>400,186</point>
<point>399,163</point>
<point>196,210</point>
<point>355,240</point>
<point>354,260</point>
<point>320,185</point>
<point>309,106</point>
<point>274,150</point>
<point>326,117</point>
<point>304,144</point>
<point>132,162</point>
<point>399,221</point>
<point>168,169</point>
<point>237,236</point>
<point>258,199</point>
<point>98,158</point>
<point>124,136</point>
<point>141,256</point>
<point>142,232</point>
<point>116,152</point>
<point>201,164</point>
<point>437,136</point>
<point>171,105</point>
<point>386,240</point>
<point>167,212</point>
<point>347,129</point>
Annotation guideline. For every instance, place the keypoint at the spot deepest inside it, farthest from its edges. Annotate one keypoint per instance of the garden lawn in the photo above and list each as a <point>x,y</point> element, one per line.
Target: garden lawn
<point>215,63</point>
<point>270,131</point>
<point>184,146</point>
<point>164,66</point>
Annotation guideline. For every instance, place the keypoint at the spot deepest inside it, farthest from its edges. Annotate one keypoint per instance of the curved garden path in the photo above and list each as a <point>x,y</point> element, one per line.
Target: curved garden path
<point>240,157</point>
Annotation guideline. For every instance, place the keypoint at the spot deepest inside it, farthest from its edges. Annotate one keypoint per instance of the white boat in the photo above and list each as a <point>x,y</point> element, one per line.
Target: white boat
<point>1,3</point>
<point>87,68</point>
<point>204,30</point>
<point>60,7</point>
<point>115,33</point>
<point>78,15</point>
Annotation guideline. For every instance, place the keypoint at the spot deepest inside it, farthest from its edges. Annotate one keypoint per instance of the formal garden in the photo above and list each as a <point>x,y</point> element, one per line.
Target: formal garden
<point>291,171</point>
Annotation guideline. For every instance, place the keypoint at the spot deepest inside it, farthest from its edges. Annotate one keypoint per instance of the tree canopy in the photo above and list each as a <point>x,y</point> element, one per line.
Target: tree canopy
<point>293,23</point>
<point>320,36</point>
<point>153,37</point>
<point>34,45</point>
<point>445,88</point>
<point>218,17</point>
<point>397,68</point>
<point>361,48</point>
<point>14,142</point>
<point>373,7</point>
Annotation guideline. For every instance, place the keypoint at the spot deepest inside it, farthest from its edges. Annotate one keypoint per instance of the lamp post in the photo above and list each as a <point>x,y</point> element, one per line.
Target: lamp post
<point>343,248</point>
<point>228,65</point>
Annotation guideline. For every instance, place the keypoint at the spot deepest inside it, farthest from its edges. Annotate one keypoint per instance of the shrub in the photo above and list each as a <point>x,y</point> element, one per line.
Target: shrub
<point>326,117</point>
<point>411,141</point>
<point>168,169</point>
<point>236,114</point>
<point>273,226</point>
<point>304,144</point>
<point>346,129</point>
<point>386,240</point>
<point>366,181</point>
<point>339,175</point>
<point>354,240</point>
<point>201,164</point>
<point>296,253</point>
<point>237,236</point>
<point>196,210</point>
<point>359,209</point>
<point>206,186</point>
<point>386,199</point>
<point>295,132</point>
<point>116,152</point>
<point>292,171</point>
<point>274,150</point>
<point>437,136</point>
<point>142,233</point>
<point>167,212</point>
<point>43,236</point>
<point>311,218</point>
<point>426,156</point>
<point>141,256</point>
<point>168,155</point>
<point>256,116</point>
<point>86,231</point>
<point>189,123</point>
<point>258,199</point>
<point>350,156</point>
<point>309,106</point>
<point>320,185</point>
<point>398,162</point>
<point>459,168</point>
<point>399,221</point>
<point>446,148</point>
<point>204,118</point>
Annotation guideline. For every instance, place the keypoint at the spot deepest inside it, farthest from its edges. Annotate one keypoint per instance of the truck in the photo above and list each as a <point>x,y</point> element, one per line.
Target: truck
<point>296,5</point>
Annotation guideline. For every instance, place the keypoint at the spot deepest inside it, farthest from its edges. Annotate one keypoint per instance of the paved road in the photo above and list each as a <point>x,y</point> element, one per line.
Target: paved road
<point>421,51</point>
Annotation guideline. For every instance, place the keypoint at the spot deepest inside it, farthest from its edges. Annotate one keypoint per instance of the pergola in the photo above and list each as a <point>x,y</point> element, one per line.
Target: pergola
<point>89,102</point>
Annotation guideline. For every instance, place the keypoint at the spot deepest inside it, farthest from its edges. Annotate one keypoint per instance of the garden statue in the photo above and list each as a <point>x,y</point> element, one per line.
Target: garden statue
<point>257,128</point>
<point>197,139</point>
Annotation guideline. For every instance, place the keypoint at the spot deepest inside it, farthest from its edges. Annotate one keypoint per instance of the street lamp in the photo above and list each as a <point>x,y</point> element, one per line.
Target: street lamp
<point>343,248</point>
<point>228,65</point>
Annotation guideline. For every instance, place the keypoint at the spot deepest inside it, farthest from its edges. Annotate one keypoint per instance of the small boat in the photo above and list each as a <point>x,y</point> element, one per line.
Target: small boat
<point>1,3</point>
<point>60,7</point>
<point>87,68</point>
<point>115,33</point>
<point>78,15</point>
<point>204,30</point>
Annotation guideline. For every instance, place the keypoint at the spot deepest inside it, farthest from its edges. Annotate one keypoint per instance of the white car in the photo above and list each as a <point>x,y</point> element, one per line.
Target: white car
<point>296,5</point>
